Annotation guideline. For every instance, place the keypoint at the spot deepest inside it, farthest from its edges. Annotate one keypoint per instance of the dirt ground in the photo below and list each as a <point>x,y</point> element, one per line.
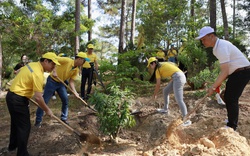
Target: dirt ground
<point>207,136</point>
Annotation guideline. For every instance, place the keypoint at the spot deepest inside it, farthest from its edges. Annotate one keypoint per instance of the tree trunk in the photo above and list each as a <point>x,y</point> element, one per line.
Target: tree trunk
<point>133,22</point>
<point>1,63</point>
<point>233,19</point>
<point>89,17</point>
<point>192,8</point>
<point>77,25</point>
<point>224,16</point>
<point>122,27</point>
<point>213,14</point>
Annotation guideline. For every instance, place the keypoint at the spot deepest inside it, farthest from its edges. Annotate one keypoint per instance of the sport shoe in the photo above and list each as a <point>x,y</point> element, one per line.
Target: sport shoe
<point>162,110</point>
<point>219,100</point>
<point>38,124</point>
<point>54,97</point>
<point>187,123</point>
<point>65,121</point>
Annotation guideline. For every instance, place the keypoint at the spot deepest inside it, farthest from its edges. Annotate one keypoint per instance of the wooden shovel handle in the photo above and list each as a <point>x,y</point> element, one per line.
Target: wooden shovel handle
<point>195,108</point>
<point>74,93</point>
<point>64,124</point>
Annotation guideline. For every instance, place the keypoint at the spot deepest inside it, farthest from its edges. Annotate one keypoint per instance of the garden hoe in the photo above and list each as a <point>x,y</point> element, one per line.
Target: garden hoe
<point>82,136</point>
<point>85,103</point>
<point>174,124</point>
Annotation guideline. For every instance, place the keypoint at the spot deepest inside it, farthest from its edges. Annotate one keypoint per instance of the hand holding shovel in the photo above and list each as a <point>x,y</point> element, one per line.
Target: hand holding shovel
<point>85,103</point>
<point>82,136</point>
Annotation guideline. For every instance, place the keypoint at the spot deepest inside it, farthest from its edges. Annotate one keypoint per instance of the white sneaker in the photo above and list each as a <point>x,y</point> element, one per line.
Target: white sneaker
<point>162,110</point>
<point>68,94</point>
<point>54,97</point>
<point>187,123</point>
<point>219,100</point>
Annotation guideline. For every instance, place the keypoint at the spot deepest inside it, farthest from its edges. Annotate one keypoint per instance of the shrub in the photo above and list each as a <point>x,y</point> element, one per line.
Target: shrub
<point>113,110</point>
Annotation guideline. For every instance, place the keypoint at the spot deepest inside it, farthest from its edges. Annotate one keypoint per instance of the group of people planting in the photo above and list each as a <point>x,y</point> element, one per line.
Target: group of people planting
<point>28,83</point>
<point>234,69</point>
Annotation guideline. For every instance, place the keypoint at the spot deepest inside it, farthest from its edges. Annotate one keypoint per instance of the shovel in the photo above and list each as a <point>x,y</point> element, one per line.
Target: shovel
<point>83,136</point>
<point>85,103</point>
<point>174,124</point>
<point>138,110</point>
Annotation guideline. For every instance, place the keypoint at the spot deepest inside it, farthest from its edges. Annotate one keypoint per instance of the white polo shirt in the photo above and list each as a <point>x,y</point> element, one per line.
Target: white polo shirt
<point>226,52</point>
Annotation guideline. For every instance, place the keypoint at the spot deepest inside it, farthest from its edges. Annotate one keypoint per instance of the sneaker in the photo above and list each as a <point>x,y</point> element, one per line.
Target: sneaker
<point>219,100</point>
<point>65,121</point>
<point>187,123</point>
<point>68,94</point>
<point>162,111</point>
<point>54,97</point>
<point>38,124</point>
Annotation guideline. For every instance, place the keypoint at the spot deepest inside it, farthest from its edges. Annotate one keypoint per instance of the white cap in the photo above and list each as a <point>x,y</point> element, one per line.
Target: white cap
<point>204,31</point>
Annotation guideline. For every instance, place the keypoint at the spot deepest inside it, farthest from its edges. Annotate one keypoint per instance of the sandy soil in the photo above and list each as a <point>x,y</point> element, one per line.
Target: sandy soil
<point>207,136</point>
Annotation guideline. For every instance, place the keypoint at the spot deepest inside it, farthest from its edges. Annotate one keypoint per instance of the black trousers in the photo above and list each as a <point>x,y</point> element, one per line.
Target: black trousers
<point>87,74</point>
<point>234,87</point>
<point>18,107</point>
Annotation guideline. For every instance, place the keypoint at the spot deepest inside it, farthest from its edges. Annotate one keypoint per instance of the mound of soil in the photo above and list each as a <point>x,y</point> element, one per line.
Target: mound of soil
<point>206,136</point>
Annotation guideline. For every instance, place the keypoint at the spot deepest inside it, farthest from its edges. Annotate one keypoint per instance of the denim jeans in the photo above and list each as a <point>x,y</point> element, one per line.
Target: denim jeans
<point>172,59</point>
<point>176,85</point>
<point>50,87</point>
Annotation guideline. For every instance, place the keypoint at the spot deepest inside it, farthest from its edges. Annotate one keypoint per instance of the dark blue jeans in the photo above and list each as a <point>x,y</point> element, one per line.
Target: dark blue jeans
<point>234,87</point>
<point>18,107</point>
<point>50,87</point>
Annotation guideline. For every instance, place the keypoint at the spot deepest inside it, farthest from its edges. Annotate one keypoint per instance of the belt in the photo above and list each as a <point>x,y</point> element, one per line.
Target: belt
<point>241,69</point>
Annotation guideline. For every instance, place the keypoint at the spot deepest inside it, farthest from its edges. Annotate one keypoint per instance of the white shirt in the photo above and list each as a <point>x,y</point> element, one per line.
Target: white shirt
<point>226,52</point>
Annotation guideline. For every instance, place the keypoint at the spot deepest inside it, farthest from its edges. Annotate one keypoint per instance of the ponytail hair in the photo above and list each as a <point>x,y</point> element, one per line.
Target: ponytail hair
<point>153,77</point>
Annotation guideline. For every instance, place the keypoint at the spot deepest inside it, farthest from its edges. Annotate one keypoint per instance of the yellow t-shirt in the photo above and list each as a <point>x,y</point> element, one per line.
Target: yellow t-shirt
<point>160,54</point>
<point>66,70</point>
<point>28,80</point>
<point>167,69</point>
<point>172,53</point>
<point>92,57</point>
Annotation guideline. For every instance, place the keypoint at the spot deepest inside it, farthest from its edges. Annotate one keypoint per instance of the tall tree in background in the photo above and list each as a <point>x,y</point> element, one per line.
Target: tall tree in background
<point>224,16</point>
<point>122,26</point>
<point>1,62</point>
<point>77,25</point>
<point>212,11</point>
<point>89,17</point>
<point>133,22</point>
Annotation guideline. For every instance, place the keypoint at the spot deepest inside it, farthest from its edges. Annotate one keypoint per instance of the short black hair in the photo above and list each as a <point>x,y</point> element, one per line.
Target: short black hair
<point>42,60</point>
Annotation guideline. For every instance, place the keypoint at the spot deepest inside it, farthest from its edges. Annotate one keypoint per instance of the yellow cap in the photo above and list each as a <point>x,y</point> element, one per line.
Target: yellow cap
<point>151,59</point>
<point>90,46</point>
<point>51,56</point>
<point>83,55</point>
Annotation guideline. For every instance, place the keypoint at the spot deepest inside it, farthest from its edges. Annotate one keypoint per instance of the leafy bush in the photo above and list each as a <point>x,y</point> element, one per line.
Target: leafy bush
<point>193,57</point>
<point>206,76</point>
<point>113,110</point>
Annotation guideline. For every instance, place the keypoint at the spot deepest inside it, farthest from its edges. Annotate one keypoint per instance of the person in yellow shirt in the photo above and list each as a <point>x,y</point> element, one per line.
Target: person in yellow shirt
<point>172,54</point>
<point>160,55</point>
<point>162,71</point>
<point>87,71</point>
<point>68,70</point>
<point>27,83</point>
